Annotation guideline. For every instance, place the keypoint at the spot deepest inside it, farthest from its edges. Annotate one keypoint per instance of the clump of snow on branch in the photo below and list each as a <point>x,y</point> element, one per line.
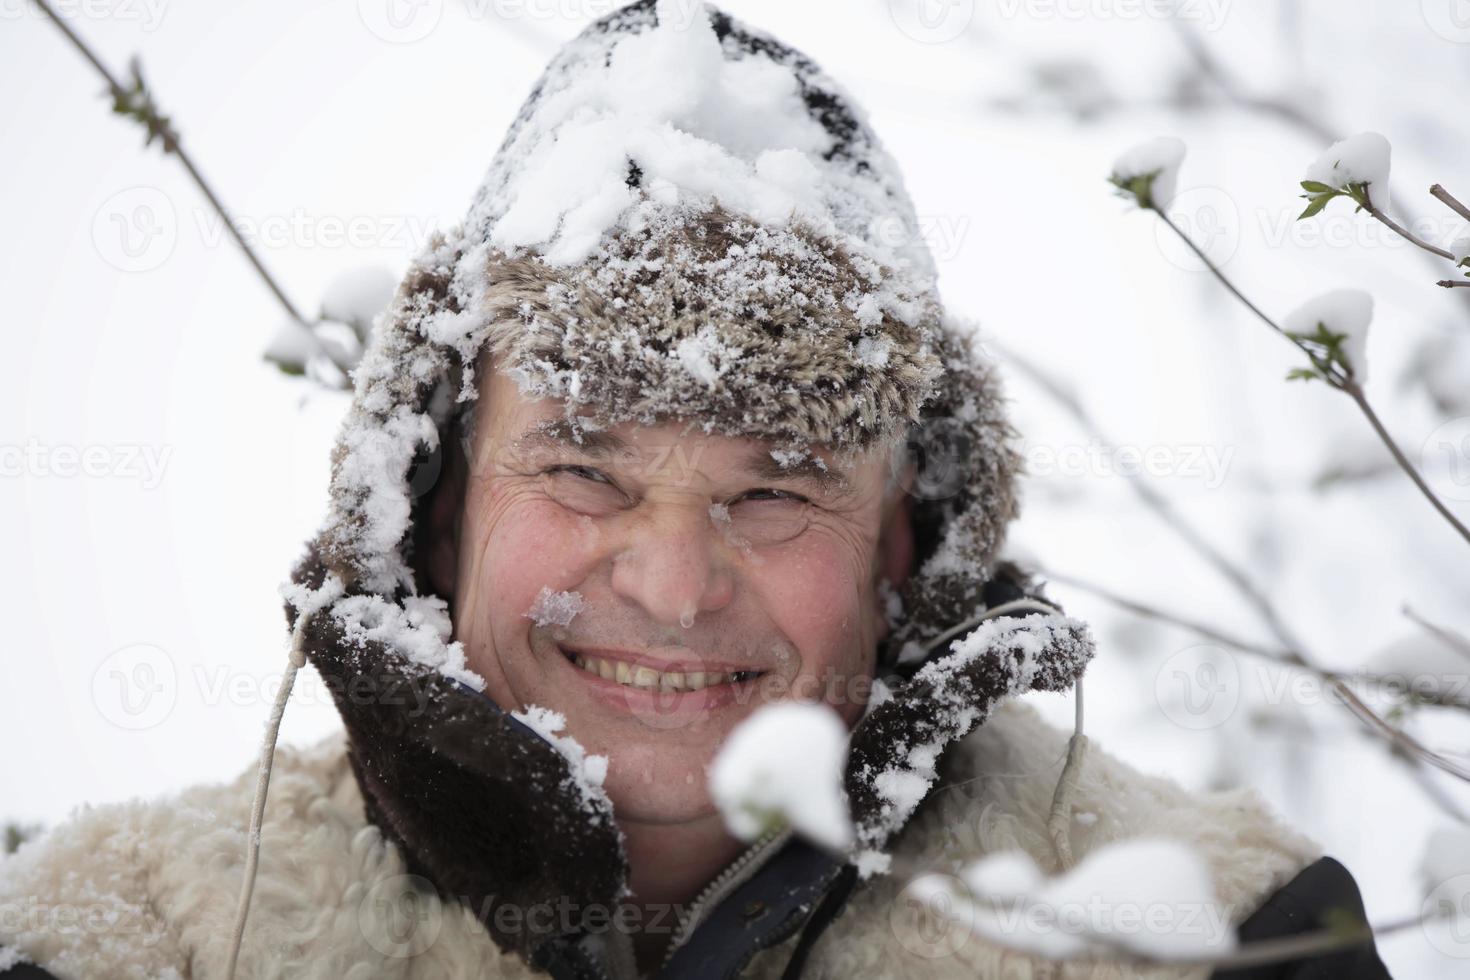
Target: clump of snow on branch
<point>329,348</point>
<point>588,771</point>
<point>553,608</point>
<point>1151,897</point>
<point>1460,249</point>
<point>784,765</point>
<point>1363,160</point>
<point>1149,172</point>
<point>1341,312</point>
<point>1424,663</point>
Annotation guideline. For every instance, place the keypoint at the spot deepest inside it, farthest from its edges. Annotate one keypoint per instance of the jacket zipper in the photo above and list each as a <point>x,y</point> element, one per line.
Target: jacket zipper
<point>712,893</point>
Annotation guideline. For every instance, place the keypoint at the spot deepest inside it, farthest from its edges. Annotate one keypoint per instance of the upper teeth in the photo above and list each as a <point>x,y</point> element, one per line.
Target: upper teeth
<point>646,677</point>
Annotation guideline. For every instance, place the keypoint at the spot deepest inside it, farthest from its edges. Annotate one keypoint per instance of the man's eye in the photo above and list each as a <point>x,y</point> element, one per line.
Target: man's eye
<point>586,472</point>
<point>768,493</point>
<point>767,516</point>
<point>583,489</point>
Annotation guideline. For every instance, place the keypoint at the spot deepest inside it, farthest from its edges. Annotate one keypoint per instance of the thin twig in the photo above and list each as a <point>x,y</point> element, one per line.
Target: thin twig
<point>159,125</point>
<point>1407,235</point>
<point>1337,681</point>
<point>1454,283</point>
<point>1341,382</point>
<point>1449,201</point>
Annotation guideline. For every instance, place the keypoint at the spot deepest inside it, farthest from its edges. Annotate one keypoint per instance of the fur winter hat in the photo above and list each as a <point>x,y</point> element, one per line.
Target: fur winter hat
<point>737,250</point>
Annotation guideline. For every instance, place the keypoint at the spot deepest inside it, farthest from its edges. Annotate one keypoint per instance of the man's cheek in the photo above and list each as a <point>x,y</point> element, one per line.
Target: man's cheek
<point>539,545</point>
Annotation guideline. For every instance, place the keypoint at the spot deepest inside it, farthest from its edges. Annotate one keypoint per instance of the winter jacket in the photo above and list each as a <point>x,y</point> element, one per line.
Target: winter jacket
<point>335,899</point>
<point>438,836</point>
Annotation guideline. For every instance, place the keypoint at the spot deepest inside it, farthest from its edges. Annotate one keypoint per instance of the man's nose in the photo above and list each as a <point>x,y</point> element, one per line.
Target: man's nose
<point>672,564</point>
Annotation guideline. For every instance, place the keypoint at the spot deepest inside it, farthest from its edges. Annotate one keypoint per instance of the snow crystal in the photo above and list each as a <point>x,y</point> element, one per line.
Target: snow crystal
<point>1361,159</point>
<point>1161,157</point>
<point>1342,311</point>
<point>552,608</point>
<point>757,779</point>
<point>873,352</point>
<point>1151,896</point>
<point>704,355</point>
<point>870,862</point>
<point>588,771</point>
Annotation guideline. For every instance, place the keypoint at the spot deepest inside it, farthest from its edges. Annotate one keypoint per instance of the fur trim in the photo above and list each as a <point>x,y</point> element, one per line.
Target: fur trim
<point>334,899</point>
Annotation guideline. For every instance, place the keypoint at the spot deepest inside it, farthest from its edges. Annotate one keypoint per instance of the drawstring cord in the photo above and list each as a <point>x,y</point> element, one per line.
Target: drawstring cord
<point>262,783</point>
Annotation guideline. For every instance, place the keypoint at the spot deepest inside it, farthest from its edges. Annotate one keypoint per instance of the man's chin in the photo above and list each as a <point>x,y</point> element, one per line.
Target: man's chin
<point>648,789</point>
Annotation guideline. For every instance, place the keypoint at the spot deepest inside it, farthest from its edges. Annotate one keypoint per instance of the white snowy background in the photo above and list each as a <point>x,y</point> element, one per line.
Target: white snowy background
<point>144,631</point>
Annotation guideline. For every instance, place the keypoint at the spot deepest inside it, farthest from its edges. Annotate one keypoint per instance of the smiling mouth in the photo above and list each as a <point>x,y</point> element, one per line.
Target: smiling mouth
<point>646,678</point>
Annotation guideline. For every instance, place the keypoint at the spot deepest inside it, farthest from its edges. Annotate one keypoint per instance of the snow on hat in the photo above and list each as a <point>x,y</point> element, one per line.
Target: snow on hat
<point>687,219</point>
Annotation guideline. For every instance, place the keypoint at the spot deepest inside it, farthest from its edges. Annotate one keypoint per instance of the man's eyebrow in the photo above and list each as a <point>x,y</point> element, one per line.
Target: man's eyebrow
<point>560,434</point>
<point>808,469</point>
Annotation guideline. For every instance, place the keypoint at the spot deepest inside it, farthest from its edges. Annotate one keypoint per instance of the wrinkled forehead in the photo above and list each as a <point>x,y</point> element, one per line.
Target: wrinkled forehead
<point>511,424</point>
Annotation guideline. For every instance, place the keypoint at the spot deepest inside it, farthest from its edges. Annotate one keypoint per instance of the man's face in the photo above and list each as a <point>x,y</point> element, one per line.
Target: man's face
<point>655,585</point>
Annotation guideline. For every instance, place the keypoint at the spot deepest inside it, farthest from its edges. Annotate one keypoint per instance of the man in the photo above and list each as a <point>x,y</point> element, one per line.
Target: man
<point>673,427</point>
